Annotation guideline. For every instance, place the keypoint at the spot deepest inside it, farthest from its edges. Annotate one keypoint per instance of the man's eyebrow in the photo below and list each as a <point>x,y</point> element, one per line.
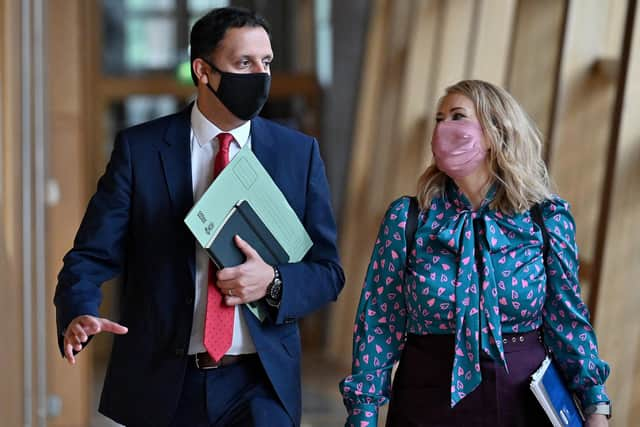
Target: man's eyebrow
<point>249,56</point>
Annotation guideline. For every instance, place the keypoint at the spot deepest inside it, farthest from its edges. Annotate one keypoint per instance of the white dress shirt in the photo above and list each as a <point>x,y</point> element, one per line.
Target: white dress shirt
<point>204,147</point>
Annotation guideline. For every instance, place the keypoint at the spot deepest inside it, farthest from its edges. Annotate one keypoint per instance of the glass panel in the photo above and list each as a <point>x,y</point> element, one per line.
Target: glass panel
<point>150,43</point>
<point>138,109</point>
<point>183,72</point>
<point>133,110</point>
<point>193,19</point>
<point>142,35</point>
<point>324,42</point>
<point>150,5</point>
<point>203,6</point>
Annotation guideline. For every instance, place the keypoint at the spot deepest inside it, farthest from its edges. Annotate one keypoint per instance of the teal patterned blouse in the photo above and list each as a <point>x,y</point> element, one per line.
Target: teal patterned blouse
<point>449,289</point>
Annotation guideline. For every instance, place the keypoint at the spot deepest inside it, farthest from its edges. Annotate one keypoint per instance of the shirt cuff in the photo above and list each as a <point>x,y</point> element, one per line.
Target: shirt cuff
<point>599,408</point>
<point>594,395</point>
<point>365,415</point>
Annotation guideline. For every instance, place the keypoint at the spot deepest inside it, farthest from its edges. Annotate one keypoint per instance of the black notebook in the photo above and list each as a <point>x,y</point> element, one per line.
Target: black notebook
<point>244,222</point>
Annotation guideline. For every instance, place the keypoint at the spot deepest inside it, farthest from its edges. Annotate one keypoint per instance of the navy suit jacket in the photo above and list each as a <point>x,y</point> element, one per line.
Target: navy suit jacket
<point>133,227</point>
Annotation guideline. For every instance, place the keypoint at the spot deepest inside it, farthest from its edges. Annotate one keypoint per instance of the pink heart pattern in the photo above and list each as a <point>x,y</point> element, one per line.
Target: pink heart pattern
<point>489,278</point>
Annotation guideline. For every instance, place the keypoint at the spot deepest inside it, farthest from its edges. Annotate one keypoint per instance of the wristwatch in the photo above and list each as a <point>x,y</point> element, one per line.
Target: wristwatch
<point>274,290</point>
<point>602,408</point>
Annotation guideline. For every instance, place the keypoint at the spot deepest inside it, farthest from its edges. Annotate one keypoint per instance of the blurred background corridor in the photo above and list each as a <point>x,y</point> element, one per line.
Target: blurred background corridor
<point>364,77</point>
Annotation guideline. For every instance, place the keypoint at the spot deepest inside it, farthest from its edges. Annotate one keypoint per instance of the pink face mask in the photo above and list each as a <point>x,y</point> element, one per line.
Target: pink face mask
<point>457,147</point>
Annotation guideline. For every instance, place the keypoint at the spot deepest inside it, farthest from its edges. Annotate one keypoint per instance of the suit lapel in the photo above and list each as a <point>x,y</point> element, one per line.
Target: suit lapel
<point>262,145</point>
<point>175,153</point>
<point>176,161</point>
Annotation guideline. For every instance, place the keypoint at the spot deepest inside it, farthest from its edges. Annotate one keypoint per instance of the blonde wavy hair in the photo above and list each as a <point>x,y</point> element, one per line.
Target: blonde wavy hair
<point>515,155</point>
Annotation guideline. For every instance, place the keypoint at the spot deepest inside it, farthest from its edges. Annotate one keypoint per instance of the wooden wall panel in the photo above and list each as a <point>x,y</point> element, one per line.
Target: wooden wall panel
<point>617,321</point>
<point>351,241</point>
<point>12,386</point>
<point>582,127</point>
<point>387,138</point>
<point>537,38</point>
<point>616,12</point>
<point>492,27</point>
<point>305,37</point>
<point>67,167</point>
<point>374,142</point>
<point>417,93</point>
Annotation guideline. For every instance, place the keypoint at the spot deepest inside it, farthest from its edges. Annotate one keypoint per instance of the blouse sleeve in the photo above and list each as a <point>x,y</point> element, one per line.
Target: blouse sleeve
<point>379,330</point>
<point>567,331</point>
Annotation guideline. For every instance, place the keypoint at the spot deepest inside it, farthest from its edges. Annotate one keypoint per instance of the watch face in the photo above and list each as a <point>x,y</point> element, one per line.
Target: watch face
<point>276,289</point>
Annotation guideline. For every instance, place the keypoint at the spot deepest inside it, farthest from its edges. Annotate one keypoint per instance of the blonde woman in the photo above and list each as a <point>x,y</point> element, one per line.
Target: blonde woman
<point>471,312</point>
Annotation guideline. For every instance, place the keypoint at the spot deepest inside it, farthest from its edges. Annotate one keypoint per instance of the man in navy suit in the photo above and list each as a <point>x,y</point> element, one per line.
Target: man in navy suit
<point>179,357</point>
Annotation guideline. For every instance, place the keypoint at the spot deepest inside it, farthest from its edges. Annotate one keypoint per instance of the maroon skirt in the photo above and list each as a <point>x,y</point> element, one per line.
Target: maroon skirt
<point>421,389</point>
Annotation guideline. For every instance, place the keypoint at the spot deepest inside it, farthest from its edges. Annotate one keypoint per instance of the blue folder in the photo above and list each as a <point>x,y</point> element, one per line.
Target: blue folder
<point>554,396</point>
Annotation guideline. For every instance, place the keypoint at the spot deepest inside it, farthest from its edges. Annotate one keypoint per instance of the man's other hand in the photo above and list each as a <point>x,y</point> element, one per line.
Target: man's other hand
<point>81,328</point>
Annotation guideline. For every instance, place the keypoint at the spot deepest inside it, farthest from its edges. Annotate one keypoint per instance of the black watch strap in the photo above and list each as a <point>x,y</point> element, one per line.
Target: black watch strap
<point>274,290</point>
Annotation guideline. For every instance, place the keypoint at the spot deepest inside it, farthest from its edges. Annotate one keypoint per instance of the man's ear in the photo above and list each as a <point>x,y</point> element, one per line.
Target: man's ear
<point>199,68</point>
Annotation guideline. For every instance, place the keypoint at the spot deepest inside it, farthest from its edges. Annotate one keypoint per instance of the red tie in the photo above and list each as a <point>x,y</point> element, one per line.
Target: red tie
<point>218,323</point>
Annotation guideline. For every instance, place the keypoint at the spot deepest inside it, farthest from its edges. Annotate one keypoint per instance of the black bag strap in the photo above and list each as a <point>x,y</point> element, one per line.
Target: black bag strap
<point>411,225</point>
<point>536,214</point>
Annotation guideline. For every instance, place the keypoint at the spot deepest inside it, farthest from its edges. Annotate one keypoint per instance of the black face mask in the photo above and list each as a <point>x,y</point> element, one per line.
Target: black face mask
<point>243,94</point>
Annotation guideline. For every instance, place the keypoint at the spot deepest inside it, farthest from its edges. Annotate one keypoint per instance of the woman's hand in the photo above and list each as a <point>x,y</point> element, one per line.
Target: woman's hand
<point>597,420</point>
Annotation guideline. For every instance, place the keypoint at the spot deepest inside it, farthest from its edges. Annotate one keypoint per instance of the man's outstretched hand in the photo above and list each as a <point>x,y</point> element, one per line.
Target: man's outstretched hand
<point>81,328</point>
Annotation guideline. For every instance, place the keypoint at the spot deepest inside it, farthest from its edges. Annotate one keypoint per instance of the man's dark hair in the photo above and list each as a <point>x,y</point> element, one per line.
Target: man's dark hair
<point>209,30</point>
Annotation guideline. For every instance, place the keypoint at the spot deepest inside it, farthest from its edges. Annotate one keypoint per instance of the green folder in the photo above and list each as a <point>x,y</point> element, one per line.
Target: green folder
<point>245,178</point>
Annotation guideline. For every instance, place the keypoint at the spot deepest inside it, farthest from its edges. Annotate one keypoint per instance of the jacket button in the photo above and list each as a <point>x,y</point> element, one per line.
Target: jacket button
<point>188,300</point>
<point>179,352</point>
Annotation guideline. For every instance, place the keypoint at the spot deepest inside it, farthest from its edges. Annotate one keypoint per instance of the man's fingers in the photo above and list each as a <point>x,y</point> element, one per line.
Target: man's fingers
<point>107,325</point>
<point>91,325</point>
<point>74,337</point>
<point>74,341</point>
<point>78,332</point>
<point>233,301</point>
<point>228,274</point>
<point>246,248</point>
<point>232,273</point>
<point>68,353</point>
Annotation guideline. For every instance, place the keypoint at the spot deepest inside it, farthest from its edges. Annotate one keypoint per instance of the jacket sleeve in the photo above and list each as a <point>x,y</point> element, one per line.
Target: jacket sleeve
<point>567,330</point>
<point>380,324</point>
<point>99,246</point>
<point>318,279</point>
